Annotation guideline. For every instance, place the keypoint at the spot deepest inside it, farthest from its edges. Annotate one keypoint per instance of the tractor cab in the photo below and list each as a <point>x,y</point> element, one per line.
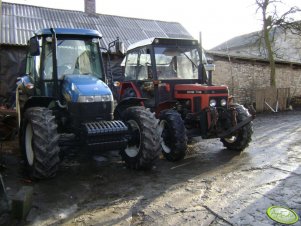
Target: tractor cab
<point>178,60</point>
<point>64,67</point>
<point>58,54</point>
<point>166,71</point>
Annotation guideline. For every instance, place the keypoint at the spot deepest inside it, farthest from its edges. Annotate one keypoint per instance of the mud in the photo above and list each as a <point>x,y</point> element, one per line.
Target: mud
<point>211,186</point>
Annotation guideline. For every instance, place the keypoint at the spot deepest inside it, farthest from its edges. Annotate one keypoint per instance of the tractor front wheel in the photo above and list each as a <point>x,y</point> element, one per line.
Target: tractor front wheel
<point>173,135</point>
<point>241,138</point>
<point>39,143</point>
<point>143,147</point>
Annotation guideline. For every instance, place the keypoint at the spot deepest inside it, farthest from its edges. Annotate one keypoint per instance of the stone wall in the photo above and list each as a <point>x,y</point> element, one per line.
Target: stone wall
<point>243,77</point>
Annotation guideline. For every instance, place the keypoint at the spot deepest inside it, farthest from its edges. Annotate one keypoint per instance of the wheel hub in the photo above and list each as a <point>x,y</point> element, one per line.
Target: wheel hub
<point>231,139</point>
<point>133,146</point>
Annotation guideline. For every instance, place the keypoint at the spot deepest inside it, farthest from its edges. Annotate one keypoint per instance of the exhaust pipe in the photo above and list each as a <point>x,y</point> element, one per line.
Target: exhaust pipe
<point>54,63</point>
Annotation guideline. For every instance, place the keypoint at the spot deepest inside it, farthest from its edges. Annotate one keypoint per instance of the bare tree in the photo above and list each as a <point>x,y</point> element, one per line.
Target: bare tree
<point>272,20</point>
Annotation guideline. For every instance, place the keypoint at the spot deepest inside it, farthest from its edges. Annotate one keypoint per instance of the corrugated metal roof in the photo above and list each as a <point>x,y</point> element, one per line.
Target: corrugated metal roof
<point>20,21</point>
<point>239,41</point>
<point>287,46</point>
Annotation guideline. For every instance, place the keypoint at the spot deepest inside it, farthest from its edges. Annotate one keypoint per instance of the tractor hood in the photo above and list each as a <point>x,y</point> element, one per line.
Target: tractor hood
<point>200,89</point>
<point>85,88</point>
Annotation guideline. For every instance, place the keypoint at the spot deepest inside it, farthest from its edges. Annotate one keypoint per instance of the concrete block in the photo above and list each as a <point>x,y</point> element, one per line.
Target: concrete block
<point>21,202</point>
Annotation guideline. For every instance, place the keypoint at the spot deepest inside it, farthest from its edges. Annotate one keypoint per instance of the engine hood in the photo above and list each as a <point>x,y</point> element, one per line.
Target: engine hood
<point>200,89</point>
<point>83,85</point>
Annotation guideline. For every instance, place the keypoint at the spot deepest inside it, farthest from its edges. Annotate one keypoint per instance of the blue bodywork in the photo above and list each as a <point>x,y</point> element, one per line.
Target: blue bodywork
<point>83,85</point>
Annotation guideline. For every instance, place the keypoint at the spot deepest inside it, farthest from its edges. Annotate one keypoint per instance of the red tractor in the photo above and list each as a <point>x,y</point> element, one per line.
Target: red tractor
<point>170,77</point>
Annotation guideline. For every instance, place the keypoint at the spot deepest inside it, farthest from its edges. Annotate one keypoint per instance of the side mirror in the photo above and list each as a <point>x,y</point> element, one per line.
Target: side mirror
<point>209,68</point>
<point>34,47</point>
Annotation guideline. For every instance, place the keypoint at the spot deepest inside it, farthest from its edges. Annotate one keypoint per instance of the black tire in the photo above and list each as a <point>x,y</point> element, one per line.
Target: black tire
<point>240,139</point>
<point>144,146</point>
<point>173,135</point>
<point>39,143</point>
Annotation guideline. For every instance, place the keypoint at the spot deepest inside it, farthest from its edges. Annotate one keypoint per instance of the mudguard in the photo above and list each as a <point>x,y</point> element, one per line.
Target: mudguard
<point>125,103</point>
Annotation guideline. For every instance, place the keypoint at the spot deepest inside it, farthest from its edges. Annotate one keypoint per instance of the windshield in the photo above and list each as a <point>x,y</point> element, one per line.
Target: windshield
<point>74,56</point>
<point>177,62</point>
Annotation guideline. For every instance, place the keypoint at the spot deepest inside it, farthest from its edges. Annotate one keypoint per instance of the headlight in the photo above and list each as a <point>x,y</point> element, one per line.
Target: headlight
<point>83,99</point>
<point>88,99</point>
<point>103,98</point>
<point>223,102</point>
<point>212,103</point>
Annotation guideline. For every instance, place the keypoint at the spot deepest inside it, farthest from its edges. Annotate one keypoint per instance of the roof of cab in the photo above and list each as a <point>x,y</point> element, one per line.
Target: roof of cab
<point>69,31</point>
<point>159,41</point>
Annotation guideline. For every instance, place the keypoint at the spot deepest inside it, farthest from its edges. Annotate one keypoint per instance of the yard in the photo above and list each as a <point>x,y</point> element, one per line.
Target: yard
<point>211,186</point>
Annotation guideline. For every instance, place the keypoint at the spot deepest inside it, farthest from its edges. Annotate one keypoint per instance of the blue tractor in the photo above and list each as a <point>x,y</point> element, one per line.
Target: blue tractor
<point>63,99</point>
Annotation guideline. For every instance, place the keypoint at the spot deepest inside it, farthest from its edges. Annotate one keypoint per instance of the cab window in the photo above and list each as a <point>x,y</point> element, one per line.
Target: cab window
<point>138,65</point>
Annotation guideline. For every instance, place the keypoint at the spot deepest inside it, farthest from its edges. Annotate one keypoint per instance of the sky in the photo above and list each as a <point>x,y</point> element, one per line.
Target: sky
<point>217,20</point>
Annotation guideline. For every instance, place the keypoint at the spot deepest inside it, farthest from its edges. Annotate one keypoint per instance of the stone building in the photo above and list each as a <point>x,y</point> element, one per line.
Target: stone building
<point>241,63</point>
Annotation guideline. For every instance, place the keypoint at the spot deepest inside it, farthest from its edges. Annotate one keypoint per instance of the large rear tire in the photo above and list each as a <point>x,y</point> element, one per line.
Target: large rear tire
<point>144,146</point>
<point>39,143</point>
<point>173,135</point>
<point>241,138</point>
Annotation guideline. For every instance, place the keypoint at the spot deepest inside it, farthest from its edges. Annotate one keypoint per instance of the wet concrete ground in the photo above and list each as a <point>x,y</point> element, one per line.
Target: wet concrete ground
<point>211,186</point>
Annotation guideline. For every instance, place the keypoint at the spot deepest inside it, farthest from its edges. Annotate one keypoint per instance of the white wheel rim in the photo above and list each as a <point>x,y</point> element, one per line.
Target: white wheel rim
<point>132,151</point>
<point>231,139</point>
<point>162,125</point>
<point>28,144</point>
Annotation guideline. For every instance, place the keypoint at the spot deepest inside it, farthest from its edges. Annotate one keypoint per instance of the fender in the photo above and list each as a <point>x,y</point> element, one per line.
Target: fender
<point>126,85</point>
<point>125,103</point>
<point>37,101</point>
<point>33,102</point>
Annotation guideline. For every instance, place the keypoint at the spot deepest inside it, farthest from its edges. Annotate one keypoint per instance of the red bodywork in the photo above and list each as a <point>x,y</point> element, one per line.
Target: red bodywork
<point>202,94</point>
<point>180,92</point>
<point>193,97</point>
<point>190,91</point>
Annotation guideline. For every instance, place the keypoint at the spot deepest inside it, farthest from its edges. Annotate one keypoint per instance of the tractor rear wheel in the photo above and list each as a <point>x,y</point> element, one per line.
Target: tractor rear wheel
<point>39,143</point>
<point>173,135</point>
<point>144,146</point>
<point>240,139</point>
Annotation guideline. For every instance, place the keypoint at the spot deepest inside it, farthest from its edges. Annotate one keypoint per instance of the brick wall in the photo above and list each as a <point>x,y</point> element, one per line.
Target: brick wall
<point>244,77</point>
